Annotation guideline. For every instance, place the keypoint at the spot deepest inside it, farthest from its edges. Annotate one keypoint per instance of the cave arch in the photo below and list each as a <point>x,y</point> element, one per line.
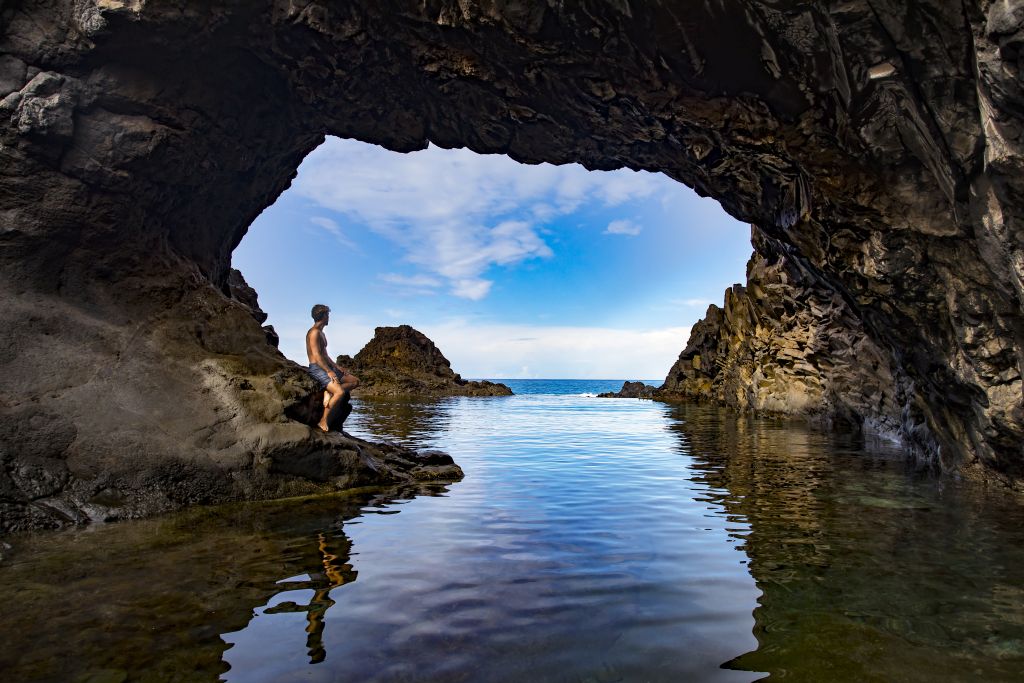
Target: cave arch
<point>874,146</point>
<point>548,255</point>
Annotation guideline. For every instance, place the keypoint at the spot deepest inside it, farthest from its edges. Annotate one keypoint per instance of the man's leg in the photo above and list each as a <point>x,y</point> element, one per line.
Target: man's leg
<point>333,404</point>
<point>348,383</point>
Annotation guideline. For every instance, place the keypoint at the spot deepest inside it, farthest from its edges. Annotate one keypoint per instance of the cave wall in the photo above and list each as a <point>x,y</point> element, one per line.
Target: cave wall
<point>788,343</point>
<point>875,144</point>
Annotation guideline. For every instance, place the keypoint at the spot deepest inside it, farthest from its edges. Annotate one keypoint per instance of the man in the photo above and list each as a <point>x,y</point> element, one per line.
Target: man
<point>337,382</point>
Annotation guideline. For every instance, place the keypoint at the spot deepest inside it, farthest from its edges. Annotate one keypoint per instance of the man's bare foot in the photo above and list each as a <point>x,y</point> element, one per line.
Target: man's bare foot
<point>323,427</point>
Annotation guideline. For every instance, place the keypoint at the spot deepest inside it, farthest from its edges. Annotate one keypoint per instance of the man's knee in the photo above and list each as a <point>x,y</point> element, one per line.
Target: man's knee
<point>351,382</point>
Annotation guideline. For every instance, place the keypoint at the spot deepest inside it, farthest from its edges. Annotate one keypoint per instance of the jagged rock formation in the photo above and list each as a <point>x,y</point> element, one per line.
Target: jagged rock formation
<point>241,292</point>
<point>402,361</point>
<point>631,390</point>
<point>788,343</point>
<point>877,144</point>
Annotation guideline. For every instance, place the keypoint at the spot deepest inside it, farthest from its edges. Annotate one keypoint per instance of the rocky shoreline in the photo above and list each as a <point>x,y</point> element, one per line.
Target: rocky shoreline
<point>241,429</point>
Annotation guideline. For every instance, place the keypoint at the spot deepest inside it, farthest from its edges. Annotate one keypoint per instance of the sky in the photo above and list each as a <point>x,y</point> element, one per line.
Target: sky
<point>513,270</point>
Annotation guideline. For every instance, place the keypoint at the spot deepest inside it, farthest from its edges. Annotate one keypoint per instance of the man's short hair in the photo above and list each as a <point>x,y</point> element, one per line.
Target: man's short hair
<point>318,312</point>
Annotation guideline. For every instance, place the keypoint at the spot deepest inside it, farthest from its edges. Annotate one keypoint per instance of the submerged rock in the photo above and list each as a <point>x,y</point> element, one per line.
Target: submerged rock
<point>402,361</point>
<point>631,390</point>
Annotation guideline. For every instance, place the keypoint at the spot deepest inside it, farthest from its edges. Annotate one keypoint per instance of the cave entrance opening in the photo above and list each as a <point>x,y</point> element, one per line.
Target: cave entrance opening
<point>514,270</point>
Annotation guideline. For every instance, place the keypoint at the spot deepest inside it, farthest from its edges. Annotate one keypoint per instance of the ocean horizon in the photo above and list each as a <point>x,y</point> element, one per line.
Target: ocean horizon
<point>566,386</point>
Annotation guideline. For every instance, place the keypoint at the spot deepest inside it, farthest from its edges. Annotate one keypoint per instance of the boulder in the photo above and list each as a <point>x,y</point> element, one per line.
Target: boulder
<point>631,390</point>
<point>402,361</point>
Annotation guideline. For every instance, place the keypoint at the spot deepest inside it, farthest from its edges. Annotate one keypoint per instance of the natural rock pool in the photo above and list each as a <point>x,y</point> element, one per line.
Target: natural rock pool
<point>591,540</point>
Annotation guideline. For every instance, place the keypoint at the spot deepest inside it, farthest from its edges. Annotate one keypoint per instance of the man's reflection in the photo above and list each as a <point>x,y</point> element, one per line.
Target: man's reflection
<point>334,553</point>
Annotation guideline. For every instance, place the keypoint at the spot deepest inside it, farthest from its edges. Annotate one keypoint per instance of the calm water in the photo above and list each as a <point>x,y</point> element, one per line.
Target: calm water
<point>591,540</point>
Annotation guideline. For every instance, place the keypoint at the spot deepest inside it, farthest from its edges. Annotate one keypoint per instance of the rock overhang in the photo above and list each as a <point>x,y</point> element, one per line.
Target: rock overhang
<point>141,139</point>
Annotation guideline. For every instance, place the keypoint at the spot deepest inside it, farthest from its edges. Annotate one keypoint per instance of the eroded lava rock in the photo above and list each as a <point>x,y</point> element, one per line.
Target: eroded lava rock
<point>875,145</point>
<point>631,390</point>
<point>402,361</point>
<point>788,343</point>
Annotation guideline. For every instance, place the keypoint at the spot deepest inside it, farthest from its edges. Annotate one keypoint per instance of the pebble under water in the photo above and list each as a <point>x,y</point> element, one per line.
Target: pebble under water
<point>591,540</point>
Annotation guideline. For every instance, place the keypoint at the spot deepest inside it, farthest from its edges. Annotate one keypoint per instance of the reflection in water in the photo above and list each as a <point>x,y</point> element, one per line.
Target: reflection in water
<point>149,599</point>
<point>591,540</point>
<point>869,569</point>
<point>415,423</point>
<point>334,574</point>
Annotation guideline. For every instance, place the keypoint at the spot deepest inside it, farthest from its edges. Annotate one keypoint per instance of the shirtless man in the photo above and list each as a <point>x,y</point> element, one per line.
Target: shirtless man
<point>337,382</point>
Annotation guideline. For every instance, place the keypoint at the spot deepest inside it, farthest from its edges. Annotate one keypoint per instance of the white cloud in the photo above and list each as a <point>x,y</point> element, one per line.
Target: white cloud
<point>690,303</point>
<point>483,350</point>
<point>471,289</point>
<point>409,280</point>
<point>623,227</point>
<point>494,350</point>
<point>334,229</point>
<point>455,213</point>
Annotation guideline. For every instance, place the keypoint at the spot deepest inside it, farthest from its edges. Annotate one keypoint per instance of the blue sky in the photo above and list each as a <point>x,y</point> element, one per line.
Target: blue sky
<point>513,270</point>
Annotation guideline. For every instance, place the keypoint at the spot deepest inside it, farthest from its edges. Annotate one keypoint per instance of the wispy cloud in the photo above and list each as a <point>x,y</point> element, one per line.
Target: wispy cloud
<point>456,214</point>
<point>691,303</point>
<point>334,229</point>
<point>471,288</point>
<point>623,227</point>
<point>488,350</point>
<point>409,280</point>
<point>478,349</point>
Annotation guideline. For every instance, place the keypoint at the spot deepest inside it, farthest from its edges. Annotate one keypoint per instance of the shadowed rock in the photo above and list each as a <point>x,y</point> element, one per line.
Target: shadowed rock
<point>402,361</point>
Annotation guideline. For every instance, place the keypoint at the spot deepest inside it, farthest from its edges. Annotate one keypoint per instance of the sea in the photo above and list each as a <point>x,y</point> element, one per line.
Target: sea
<point>590,539</point>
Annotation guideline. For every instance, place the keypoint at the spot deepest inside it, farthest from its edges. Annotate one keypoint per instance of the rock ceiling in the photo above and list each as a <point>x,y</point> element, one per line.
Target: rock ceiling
<point>873,145</point>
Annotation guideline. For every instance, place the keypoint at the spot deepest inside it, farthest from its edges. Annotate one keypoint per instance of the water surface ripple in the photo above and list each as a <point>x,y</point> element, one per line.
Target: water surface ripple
<point>591,540</point>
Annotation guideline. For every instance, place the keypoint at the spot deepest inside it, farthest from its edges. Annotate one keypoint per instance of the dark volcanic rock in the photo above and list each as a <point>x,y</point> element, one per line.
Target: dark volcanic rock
<point>402,361</point>
<point>240,291</point>
<point>876,146</point>
<point>789,343</point>
<point>631,390</point>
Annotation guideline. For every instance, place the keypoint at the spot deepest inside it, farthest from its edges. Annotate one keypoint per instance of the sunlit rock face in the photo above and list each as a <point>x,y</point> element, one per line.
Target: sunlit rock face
<point>788,342</point>
<point>875,146</point>
<point>402,361</point>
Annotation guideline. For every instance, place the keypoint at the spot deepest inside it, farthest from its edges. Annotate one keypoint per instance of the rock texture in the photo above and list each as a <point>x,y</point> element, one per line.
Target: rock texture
<point>631,390</point>
<point>402,361</point>
<point>187,405</point>
<point>240,291</point>
<point>875,144</point>
<point>789,343</point>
